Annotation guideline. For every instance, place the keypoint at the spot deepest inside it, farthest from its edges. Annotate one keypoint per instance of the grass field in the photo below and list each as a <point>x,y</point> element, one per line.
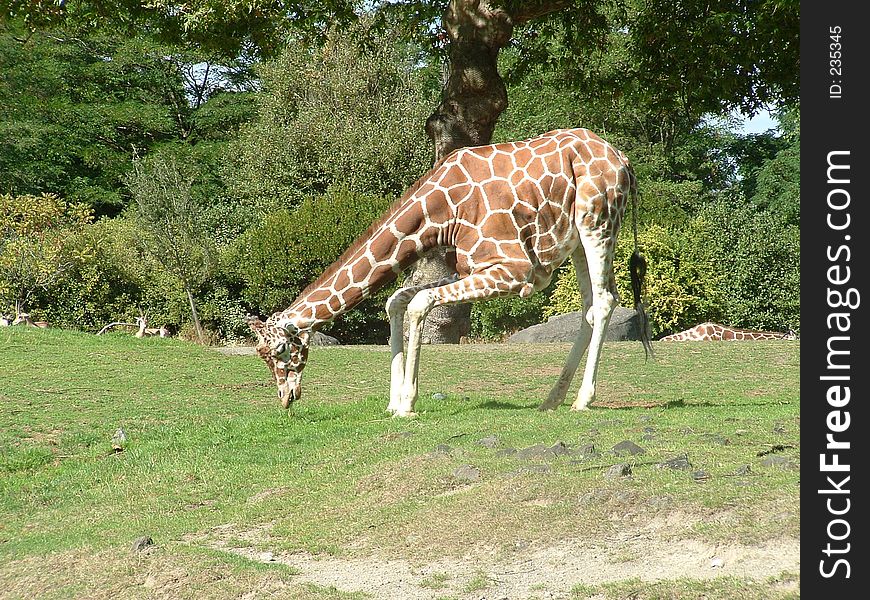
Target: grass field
<point>243,499</point>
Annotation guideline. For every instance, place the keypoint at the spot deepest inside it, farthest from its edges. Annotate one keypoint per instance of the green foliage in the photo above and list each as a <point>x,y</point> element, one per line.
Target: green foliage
<point>729,263</point>
<point>106,279</point>
<point>681,281</point>
<point>171,218</point>
<point>349,113</point>
<point>76,106</point>
<point>778,180</point>
<point>34,234</point>
<point>276,259</point>
<point>759,252</point>
<point>497,318</point>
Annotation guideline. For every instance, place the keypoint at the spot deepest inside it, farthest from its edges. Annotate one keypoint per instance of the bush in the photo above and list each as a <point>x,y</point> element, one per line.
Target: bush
<point>34,235</point>
<point>105,281</point>
<point>759,254</point>
<point>276,259</point>
<point>729,264</point>
<point>500,317</point>
<point>680,280</point>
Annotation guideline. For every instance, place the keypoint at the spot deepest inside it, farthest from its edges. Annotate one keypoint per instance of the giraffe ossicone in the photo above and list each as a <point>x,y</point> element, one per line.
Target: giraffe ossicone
<point>513,213</point>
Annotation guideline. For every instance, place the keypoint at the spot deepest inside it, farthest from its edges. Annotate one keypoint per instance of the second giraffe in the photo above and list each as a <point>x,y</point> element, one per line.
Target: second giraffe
<point>513,213</point>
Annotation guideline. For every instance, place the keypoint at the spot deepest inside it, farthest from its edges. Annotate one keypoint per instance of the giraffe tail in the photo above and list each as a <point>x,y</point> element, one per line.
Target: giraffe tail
<point>637,273</point>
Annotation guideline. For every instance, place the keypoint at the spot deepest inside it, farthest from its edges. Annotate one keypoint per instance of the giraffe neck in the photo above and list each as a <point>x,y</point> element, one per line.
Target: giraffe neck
<point>411,227</point>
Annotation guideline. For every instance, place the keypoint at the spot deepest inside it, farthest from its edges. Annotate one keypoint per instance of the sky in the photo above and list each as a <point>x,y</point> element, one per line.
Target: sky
<point>759,123</point>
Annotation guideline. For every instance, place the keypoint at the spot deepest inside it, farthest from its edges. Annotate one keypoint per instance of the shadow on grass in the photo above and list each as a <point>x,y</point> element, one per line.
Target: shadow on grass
<point>498,404</point>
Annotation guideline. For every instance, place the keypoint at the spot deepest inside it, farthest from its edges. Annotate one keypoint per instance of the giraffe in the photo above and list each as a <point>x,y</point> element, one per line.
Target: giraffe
<point>513,213</point>
<point>24,319</point>
<point>145,331</point>
<point>715,332</point>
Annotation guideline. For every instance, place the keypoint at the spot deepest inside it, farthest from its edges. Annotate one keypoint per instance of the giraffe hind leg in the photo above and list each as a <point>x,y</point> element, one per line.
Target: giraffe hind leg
<point>581,342</point>
<point>599,258</point>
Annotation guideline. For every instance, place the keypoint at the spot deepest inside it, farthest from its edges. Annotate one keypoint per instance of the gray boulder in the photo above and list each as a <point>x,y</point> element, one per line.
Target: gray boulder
<point>321,339</point>
<point>624,326</point>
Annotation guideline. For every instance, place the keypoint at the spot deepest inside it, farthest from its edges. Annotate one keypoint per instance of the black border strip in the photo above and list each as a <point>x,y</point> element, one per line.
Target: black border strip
<point>834,264</point>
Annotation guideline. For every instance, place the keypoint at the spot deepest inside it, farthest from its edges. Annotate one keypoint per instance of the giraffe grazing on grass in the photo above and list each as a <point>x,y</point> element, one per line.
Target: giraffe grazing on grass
<point>513,212</point>
<point>716,332</point>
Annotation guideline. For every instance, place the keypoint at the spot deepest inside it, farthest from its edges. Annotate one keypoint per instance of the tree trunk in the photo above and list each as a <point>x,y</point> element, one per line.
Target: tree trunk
<point>474,97</point>
<point>196,324</point>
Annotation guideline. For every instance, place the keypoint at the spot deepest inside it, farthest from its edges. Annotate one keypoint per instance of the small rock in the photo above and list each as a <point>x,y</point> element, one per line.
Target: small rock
<point>586,451</point>
<point>700,475</point>
<point>439,396</point>
<point>141,543</point>
<point>467,473</point>
<point>617,471</point>
<point>743,470</point>
<point>627,448</point>
<point>717,563</point>
<point>442,449</point>
<point>678,462</point>
<point>267,557</point>
<point>715,438</point>
<point>120,436</point>
<point>660,502</point>
<point>118,440</point>
<point>781,462</point>
<point>489,442</point>
<point>559,449</point>
<point>506,452</point>
<point>538,451</point>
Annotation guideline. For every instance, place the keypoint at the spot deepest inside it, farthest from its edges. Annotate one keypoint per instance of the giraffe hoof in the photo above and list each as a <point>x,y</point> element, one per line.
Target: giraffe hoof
<point>579,406</point>
<point>405,415</point>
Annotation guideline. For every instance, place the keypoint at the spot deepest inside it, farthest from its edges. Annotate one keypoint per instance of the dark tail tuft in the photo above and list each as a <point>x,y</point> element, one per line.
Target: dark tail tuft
<point>637,271</point>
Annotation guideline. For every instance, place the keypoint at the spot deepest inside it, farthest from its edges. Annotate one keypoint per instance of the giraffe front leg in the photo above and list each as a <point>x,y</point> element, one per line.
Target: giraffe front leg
<point>497,280</point>
<point>397,305</point>
<point>418,309</point>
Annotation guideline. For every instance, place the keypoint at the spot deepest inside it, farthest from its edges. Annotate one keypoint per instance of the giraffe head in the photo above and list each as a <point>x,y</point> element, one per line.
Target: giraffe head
<point>284,348</point>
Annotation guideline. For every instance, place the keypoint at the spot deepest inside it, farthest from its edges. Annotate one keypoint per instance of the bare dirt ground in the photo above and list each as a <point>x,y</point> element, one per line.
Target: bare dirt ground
<point>544,572</point>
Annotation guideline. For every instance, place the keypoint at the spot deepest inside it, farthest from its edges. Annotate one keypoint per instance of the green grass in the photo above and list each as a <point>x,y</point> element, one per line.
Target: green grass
<point>209,446</point>
<point>783,587</point>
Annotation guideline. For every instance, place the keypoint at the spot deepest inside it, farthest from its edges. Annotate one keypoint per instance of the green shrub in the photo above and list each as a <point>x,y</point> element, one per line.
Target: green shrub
<point>35,232</point>
<point>275,260</point>
<point>759,254</point>
<point>105,281</point>
<point>350,113</point>
<point>680,281</point>
<point>497,318</point>
<point>729,264</point>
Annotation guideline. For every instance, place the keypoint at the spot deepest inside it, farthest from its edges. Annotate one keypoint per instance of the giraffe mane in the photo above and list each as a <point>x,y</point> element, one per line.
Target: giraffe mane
<point>370,230</point>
